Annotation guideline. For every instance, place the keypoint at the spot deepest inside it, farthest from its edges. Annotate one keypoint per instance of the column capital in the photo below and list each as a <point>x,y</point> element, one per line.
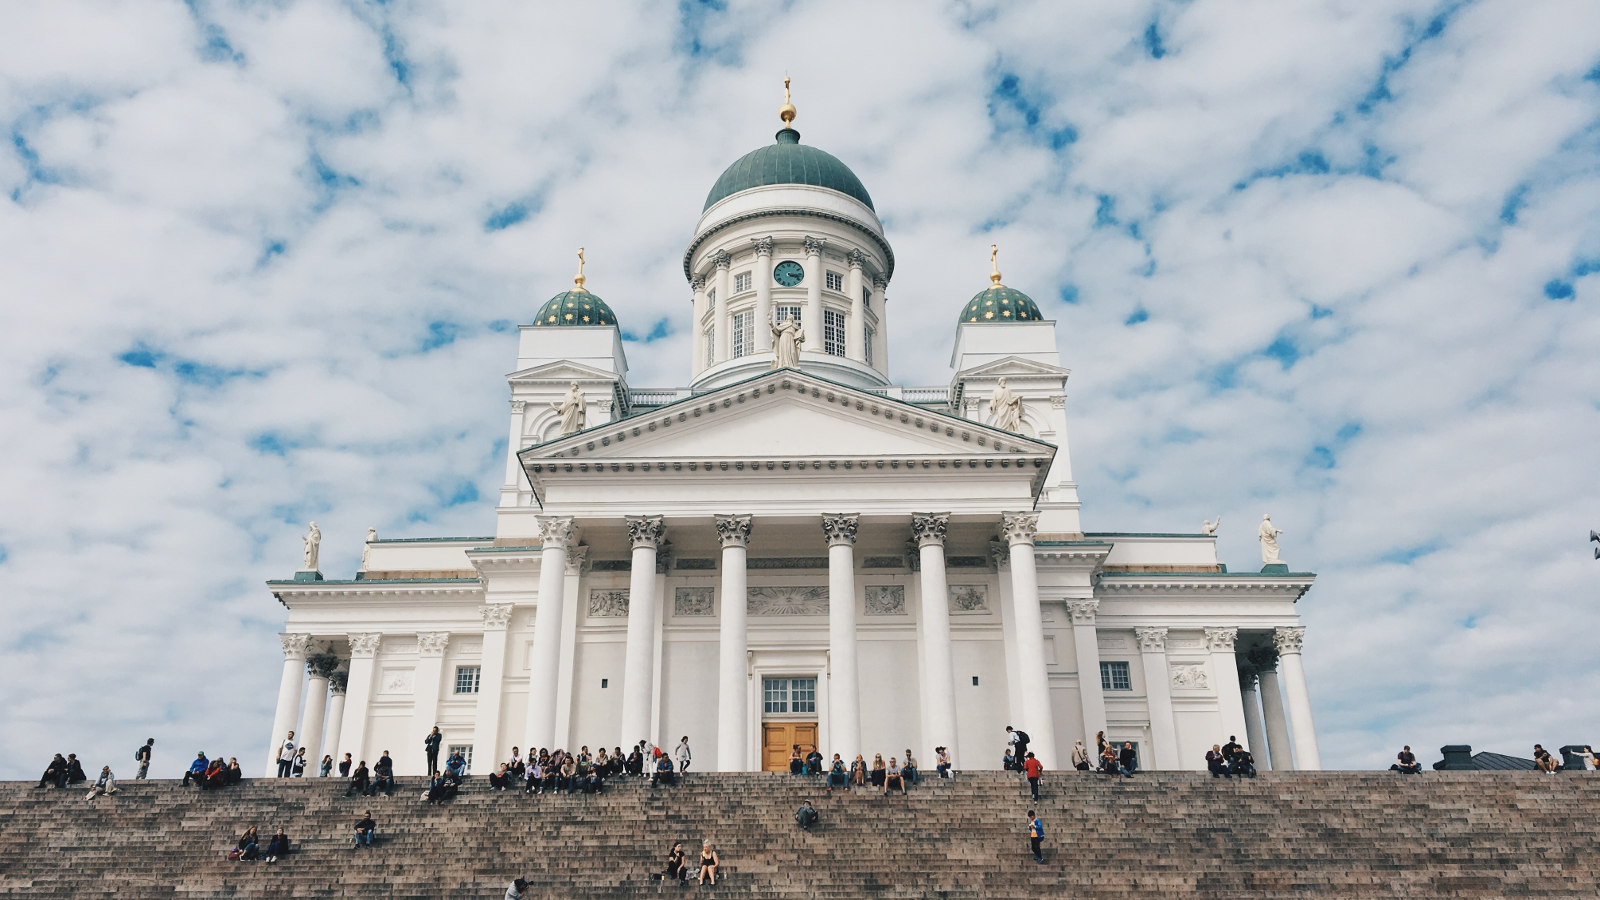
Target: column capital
<point>517,406</point>
<point>321,665</point>
<point>840,528</point>
<point>577,558</point>
<point>1083,611</point>
<point>734,531</point>
<point>879,282</point>
<point>1221,638</point>
<point>856,259</point>
<point>763,245</point>
<point>1151,639</point>
<point>555,531</point>
<point>1263,658</point>
<point>496,616</point>
<point>646,531</point>
<point>364,646</point>
<point>295,645</point>
<point>697,283</point>
<point>722,259</point>
<point>432,643</point>
<point>1247,678</point>
<point>814,245</point>
<point>1288,639</point>
<point>339,680</point>
<point>1019,527</point>
<point>663,556</point>
<point>999,555</point>
<point>929,528</point>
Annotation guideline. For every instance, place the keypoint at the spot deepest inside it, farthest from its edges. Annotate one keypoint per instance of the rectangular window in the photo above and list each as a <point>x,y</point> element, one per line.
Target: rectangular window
<point>833,332</point>
<point>866,297</point>
<point>464,749</point>
<point>835,281</point>
<point>866,350</point>
<point>1114,677</point>
<point>711,296</point>
<point>467,679</point>
<point>744,338</point>
<point>711,344</point>
<point>789,695</point>
<point>741,282</point>
<point>779,313</point>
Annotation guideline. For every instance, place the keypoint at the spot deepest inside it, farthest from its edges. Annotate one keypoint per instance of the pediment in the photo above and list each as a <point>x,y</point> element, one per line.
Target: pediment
<point>561,370</point>
<point>1013,366</point>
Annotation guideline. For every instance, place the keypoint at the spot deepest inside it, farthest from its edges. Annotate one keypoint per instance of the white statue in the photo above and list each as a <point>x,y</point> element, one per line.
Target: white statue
<point>573,411</point>
<point>1269,540</point>
<point>1006,408</point>
<point>1209,527</point>
<point>313,539</point>
<point>787,336</point>
<point>366,549</point>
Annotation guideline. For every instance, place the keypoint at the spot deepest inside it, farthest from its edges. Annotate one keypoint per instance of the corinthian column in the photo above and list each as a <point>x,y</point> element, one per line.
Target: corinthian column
<point>336,688</point>
<point>283,721</point>
<point>1033,677</point>
<point>1288,641</point>
<point>763,275</point>
<point>491,684</point>
<point>1278,749</point>
<point>1158,695</point>
<point>811,316</point>
<point>1086,645</point>
<point>1224,667</point>
<point>733,711</point>
<point>1255,731</point>
<point>638,670</point>
<point>363,659</point>
<point>724,331</point>
<point>938,669</point>
<point>544,665</point>
<point>320,666</point>
<point>855,328</point>
<point>844,680</point>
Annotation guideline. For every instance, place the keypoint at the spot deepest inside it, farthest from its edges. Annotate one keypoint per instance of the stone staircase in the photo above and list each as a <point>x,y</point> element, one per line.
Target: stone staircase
<point>1439,834</point>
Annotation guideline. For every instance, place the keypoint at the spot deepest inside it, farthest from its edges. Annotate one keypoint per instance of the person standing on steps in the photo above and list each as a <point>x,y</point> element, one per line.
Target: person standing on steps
<point>286,756</point>
<point>681,754</point>
<point>344,766</point>
<point>1019,745</point>
<point>1036,836</point>
<point>142,757</point>
<point>430,745</point>
<point>1080,757</point>
<point>1033,769</point>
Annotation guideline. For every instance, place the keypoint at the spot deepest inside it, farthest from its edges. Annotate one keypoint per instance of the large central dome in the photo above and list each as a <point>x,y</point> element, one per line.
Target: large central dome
<point>788,162</point>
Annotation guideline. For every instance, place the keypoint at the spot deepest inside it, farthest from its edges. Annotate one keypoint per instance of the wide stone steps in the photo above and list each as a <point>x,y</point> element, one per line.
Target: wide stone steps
<point>1157,835</point>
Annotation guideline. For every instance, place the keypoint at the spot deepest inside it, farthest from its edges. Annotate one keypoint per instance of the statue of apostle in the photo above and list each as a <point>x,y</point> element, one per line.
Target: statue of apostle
<point>573,411</point>
<point>1209,527</point>
<point>787,337</point>
<point>366,549</point>
<point>1006,408</point>
<point>313,540</point>
<point>1269,540</point>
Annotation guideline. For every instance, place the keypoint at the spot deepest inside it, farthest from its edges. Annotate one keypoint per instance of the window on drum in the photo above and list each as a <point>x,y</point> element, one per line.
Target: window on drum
<point>833,332</point>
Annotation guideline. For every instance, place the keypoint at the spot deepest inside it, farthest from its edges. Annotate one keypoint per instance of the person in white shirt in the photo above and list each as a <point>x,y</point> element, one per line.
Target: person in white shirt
<point>286,756</point>
<point>681,755</point>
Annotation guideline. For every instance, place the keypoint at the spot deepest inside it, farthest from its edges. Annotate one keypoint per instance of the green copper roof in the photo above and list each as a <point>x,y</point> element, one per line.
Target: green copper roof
<point>788,162</point>
<point>575,307</point>
<point>1001,304</point>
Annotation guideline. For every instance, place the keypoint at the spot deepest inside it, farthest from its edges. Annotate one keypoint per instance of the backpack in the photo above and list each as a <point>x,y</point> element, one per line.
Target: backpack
<point>1022,738</point>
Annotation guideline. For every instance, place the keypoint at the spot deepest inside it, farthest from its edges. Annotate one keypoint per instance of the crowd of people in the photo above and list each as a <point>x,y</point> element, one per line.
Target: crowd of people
<point>1231,760</point>
<point>209,774</point>
<point>249,847</point>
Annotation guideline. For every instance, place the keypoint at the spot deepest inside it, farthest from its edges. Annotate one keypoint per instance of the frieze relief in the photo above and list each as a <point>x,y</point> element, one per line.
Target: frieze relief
<point>396,681</point>
<point>969,598</point>
<point>608,604</point>
<point>787,601</point>
<point>886,600</point>
<point>1190,676</point>
<point>694,601</point>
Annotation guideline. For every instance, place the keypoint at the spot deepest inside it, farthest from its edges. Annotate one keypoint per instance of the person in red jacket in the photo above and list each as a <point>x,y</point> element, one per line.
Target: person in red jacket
<point>1034,768</point>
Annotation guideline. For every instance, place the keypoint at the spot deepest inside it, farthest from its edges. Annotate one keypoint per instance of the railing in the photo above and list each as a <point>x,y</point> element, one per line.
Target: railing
<point>655,396</point>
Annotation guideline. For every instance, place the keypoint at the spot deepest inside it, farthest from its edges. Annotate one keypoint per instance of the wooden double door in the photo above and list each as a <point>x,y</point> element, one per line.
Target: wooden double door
<point>778,738</point>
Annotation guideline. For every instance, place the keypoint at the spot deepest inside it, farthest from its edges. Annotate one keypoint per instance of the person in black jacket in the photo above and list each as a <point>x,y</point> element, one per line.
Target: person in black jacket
<point>383,775</point>
<point>359,780</point>
<point>55,773</point>
<point>278,846</point>
<point>430,744</point>
<point>75,770</point>
<point>1129,759</point>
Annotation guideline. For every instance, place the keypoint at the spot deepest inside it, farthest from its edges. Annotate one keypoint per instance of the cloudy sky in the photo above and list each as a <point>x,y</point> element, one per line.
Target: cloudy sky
<point>1336,261</point>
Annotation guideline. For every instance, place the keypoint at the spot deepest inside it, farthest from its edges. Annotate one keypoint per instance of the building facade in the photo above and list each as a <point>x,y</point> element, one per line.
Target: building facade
<point>792,549</point>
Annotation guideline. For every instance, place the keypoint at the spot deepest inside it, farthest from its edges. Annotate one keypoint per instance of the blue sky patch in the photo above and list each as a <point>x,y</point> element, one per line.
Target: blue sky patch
<point>1556,289</point>
<point>696,21</point>
<point>1068,293</point>
<point>440,334</point>
<point>506,216</point>
<point>271,443</point>
<point>142,355</point>
<point>661,329</point>
<point>1153,45</point>
<point>1320,458</point>
<point>1284,351</point>
<point>1408,555</point>
<point>1138,315</point>
<point>4,554</point>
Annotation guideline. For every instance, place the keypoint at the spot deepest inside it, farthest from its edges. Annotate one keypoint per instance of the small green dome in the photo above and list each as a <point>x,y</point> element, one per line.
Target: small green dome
<point>999,303</point>
<point>575,307</point>
<point>788,162</point>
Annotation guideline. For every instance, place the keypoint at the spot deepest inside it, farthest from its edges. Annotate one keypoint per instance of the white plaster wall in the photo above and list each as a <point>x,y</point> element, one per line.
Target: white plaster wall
<point>597,711</point>
<point>982,711</point>
<point>689,698</point>
<point>891,719</point>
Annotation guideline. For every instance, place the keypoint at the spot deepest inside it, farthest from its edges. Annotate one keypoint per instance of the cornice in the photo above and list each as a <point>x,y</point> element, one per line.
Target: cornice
<point>701,238</point>
<point>344,591</point>
<point>1293,586</point>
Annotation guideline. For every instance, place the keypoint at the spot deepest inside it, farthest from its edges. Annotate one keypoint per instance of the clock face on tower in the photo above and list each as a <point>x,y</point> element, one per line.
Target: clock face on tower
<point>788,273</point>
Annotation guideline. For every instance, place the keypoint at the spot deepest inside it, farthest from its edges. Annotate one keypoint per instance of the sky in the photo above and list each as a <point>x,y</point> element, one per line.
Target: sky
<point>262,263</point>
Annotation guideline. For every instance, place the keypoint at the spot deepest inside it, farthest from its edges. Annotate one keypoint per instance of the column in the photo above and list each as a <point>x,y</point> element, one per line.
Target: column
<point>722,259</point>
<point>763,276</point>
<point>844,677</point>
<point>855,326</point>
<point>1288,641</point>
<point>1038,718</point>
<point>1086,643</point>
<point>1256,734</point>
<point>646,533</point>
<point>514,475</point>
<point>363,660</point>
<point>733,685</point>
<point>425,684</point>
<point>1224,668</point>
<point>1158,696</point>
<point>698,364</point>
<point>1277,727</point>
<point>321,666</point>
<point>571,615</point>
<point>294,670</point>
<point>811,316</point>
<point>330,743</point>
<point>544,668</point>
<point>939,718</point>
<point>491,686</point>
<point>880,350</point>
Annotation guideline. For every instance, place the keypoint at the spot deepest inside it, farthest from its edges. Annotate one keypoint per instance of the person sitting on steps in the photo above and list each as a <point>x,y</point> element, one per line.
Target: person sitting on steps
<point>56,772</point>
<point>359,781</point>
<point>663,774</point>
<point>382,775</point>
<point>837,776</point>
<point>677,867</point>
<point>216,775</point>
<point>249,848</point>
<point>944,762</point>
<point>1109,763</point>
<point>197,771</point>
<point>278,846</point>
<point>878,770</point>
<point>1405,762</point>
<point>1216,763</point>
<point>499,781</point>
<point>806,816</point>
<point>893,777</point>
<point>813,761</point>
<point>909,767</point>
<point>1129,759</point>
<point>797,765</point>
<point>1244,765</point>
<point>709,863</point>
<point>858,771</point>
<point>366,830</point>
<point>107,784</point>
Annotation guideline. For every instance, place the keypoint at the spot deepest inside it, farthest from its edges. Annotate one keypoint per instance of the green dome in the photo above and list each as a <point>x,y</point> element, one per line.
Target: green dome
<point>788,162</point>
<point>999,303</point>
<point>575,307</point>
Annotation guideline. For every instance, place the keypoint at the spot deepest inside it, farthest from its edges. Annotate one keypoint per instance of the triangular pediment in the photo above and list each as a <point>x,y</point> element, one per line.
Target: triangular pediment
<point>1013,366</point>
<point>561,370</point>
<point>788,415</point>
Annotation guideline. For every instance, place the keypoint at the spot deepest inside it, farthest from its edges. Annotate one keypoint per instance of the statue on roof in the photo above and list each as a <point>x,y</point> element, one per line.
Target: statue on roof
<point>313,542</point>
<point>1209,527</point>
<point>787,337</point>
<point>1006,407</point>
<point>1269,540</point>
<point>366,549</point>
<point>572,409</point>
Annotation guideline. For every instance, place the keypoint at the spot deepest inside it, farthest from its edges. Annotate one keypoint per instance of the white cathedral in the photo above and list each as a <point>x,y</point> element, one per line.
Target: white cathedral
<point>793,549</point>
